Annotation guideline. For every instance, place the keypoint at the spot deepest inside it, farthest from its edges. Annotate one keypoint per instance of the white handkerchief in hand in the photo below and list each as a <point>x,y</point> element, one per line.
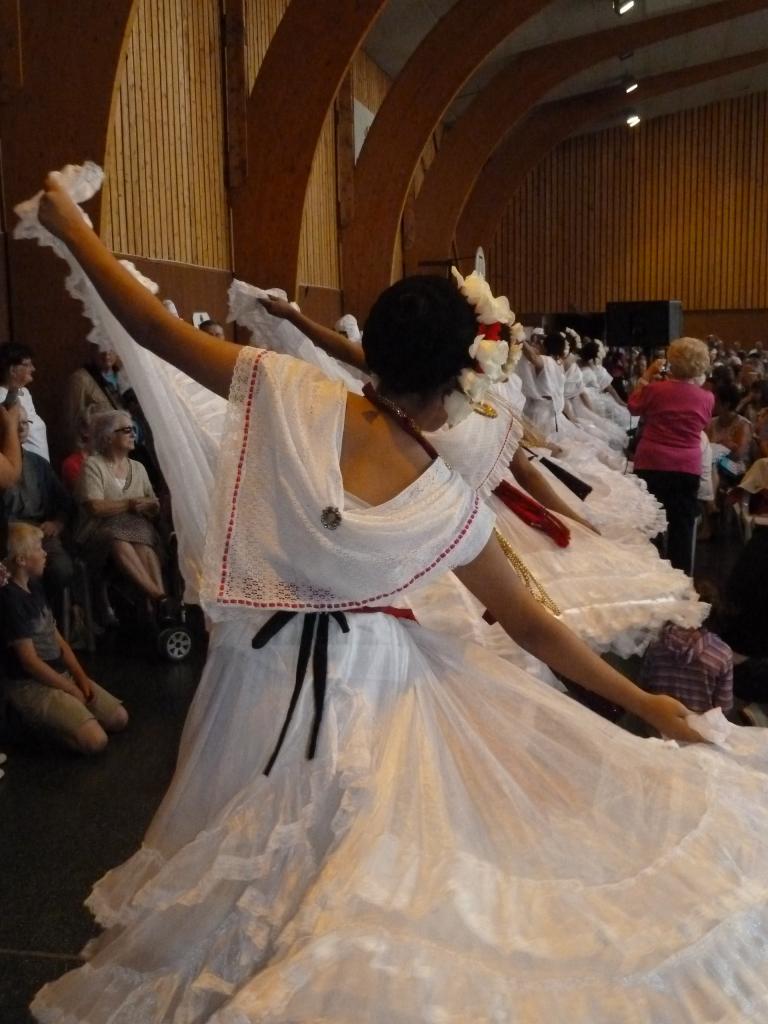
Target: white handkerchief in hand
<point>712,726</point>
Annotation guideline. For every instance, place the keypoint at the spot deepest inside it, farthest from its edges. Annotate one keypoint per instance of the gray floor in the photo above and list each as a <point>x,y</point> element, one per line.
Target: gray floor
<point>66,820</point>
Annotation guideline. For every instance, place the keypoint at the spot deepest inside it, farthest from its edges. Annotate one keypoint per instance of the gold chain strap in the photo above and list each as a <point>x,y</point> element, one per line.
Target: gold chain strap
<point>532,585</point>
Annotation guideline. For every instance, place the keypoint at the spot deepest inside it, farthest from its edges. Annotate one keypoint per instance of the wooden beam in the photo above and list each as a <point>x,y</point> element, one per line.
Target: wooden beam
<point>11,67</point>
<point>345,152</point>
<point>515,90</point>
<point>549,125</point>
<point>235,91</point>
<point>411,111</point>
<point>298,79</point>
<point>60,115</point>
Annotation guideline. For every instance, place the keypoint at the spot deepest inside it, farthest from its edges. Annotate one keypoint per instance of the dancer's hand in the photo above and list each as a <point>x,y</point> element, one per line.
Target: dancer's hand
<point>667,715</point>
<point>9,418</point>
<point>58,212</point>
<point>280,308</point>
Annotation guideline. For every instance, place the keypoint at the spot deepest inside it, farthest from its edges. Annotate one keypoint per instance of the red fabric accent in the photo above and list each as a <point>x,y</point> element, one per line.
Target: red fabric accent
<point>534,514</point>
<point>396,613</point>
<point>71,468</point>
<point>491,331</point>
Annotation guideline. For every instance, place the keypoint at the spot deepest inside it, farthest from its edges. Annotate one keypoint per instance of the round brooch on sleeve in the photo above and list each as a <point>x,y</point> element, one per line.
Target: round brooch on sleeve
<point>330,517</point>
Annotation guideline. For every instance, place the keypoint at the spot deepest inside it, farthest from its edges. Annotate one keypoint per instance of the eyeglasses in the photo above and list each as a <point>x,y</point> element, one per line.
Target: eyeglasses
<point>124,430</point>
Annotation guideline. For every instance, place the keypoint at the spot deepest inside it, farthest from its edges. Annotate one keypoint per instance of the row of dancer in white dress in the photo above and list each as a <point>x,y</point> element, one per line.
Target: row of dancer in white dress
<point>466,843</point>
<point>613,590</point>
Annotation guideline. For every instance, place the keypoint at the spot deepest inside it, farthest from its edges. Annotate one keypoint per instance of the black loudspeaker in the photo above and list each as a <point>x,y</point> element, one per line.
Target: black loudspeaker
<point>646,324</point>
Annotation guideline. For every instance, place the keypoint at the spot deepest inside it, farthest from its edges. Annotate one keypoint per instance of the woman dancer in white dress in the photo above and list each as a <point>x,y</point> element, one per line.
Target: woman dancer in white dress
<point>579,408</point>
<point>464,843</point>
<point>599,384</point>
<point>544,383</point>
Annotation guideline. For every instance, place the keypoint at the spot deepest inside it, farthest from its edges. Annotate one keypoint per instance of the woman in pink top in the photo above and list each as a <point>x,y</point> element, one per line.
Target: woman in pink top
<point>668,458</point>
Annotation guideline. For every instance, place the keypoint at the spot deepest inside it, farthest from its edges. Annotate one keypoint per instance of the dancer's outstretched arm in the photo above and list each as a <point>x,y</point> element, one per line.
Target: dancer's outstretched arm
<point>331,342</point>
<point>210,361</point>
<point>533,356</point>
<point>10,449</point>
<point>491,579</point>
<point>531,480</point>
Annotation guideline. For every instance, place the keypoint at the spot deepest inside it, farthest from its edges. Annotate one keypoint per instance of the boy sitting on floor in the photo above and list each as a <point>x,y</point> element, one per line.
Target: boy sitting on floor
<point>44,680</point>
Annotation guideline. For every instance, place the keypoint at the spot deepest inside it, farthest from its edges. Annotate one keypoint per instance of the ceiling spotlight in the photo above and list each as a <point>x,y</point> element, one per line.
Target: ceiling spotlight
<point>630,84</point>
<point>633,120</point>
<point>623,6</point>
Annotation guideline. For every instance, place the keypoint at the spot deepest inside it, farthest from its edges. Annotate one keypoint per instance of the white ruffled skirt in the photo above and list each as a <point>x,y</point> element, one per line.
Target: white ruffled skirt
<point>616,598</point>
<point>620,505</point>
<point>467,845</point>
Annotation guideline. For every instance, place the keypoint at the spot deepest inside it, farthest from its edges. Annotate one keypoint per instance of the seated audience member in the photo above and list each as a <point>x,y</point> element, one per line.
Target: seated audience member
<point>693,665</point>
<point>212,327</point>
<point>731,431</point>
<point>39,499</point>
<point>44,681</point>
<point>72,465</point>
<point>743,614</point>
<point>117,506</point>
<point>10,470</point>
<point>754,400</point>
<point>760,432</point>
<point>17,371</point>
<point>706,494</point>
<point>95,387</point>
<point>99,386</point>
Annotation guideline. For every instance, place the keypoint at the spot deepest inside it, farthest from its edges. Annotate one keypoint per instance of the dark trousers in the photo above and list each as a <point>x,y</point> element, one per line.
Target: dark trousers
<point>677,492</point>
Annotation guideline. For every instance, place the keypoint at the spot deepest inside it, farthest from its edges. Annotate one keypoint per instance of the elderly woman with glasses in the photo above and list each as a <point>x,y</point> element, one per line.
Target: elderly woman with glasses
<point>118,505</point>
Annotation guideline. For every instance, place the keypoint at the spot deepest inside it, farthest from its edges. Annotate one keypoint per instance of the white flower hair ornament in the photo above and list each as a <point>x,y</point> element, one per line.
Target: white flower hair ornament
<point>494,357</point>
<point>574,339</point>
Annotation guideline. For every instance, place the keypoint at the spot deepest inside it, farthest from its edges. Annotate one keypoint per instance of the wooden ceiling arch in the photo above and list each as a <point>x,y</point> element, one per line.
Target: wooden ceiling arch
<point>524,81</point>
<point>298,79</point>
<point>411,111</point>
<point>549,125</point>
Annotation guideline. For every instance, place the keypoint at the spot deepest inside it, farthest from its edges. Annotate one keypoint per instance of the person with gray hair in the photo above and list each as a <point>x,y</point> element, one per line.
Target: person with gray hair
<point>117,504</point>
<point>675,409</point>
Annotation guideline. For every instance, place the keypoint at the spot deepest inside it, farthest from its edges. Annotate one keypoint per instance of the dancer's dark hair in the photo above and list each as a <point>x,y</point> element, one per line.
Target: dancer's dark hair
<point>554,345</point>
<point>417,336</point>
<point>589,350</point>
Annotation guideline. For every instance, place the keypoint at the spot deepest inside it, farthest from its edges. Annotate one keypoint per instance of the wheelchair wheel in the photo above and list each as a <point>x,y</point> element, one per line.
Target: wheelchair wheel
<point>175,643</point>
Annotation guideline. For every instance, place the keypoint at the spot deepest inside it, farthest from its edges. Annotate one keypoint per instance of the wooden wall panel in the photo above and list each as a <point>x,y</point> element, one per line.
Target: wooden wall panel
<point>741,327</point>
<point>165,195</point>
<point>676,208</point>
<point>193,289</point>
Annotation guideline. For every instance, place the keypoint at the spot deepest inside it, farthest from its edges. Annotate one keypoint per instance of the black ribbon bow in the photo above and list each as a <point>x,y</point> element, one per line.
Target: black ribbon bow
<point>313,642</point>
